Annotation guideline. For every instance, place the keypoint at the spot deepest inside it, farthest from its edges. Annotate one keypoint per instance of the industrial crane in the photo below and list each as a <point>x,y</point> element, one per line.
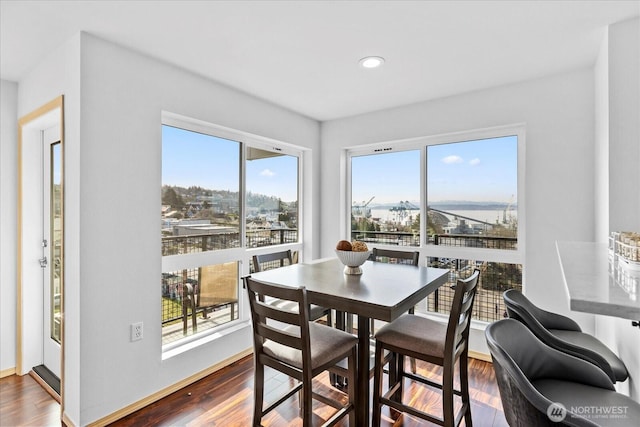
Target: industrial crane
<point>362,210</point>
<point>401,209</point>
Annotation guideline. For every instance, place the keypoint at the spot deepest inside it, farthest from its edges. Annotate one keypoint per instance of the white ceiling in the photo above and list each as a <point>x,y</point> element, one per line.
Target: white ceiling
<point>303,55</point>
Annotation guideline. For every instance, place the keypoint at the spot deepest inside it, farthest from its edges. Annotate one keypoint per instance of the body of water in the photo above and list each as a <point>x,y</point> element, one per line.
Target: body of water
<point>490,216</point>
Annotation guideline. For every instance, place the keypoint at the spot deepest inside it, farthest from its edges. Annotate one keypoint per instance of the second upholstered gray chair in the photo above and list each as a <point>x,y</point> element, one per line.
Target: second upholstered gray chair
<point>541,386</point>
<point>564,334</point>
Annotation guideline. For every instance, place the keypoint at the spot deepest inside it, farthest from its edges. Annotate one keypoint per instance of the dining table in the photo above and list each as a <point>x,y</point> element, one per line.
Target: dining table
<point>383,291</point>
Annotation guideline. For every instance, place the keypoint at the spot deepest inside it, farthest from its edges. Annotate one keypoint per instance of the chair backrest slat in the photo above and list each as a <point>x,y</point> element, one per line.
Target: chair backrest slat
<point>272,260</point>
<point>273,312</point>
<point>399,257</point>
<point>278,335</point>
<point>460,314</point>
<point>280,324</point>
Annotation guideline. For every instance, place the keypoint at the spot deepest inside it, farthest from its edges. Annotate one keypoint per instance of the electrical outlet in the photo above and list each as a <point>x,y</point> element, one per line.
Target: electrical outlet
<point>136,331</point>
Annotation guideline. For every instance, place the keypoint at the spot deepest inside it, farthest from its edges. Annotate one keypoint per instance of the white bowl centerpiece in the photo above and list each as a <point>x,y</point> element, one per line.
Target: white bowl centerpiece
<point>353,259</point>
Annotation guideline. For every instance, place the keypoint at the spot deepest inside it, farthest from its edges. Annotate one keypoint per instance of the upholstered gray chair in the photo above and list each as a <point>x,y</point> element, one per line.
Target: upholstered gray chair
<point>288,342</point>
<point>541,386</point>
<point>564,334</point>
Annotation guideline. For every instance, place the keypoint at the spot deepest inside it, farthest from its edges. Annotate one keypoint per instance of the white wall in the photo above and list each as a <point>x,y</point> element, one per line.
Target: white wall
<point>617,164</point>
<point>624,125</point>
<point>601,134</point>
<point>59,74</point>
<point>113,103</point>
<point>123,95</point>
<point>8,212</point>
<point>558,112</point>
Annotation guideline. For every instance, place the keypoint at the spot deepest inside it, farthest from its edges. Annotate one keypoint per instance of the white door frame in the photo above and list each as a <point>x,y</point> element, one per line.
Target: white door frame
<point>29,331</point>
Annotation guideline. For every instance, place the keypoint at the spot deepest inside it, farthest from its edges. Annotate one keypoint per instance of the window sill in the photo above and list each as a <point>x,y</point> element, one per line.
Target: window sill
<point>197,340</point>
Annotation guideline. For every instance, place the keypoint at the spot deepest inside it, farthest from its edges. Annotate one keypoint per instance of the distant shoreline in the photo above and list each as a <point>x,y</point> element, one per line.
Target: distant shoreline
<point>456,206</point>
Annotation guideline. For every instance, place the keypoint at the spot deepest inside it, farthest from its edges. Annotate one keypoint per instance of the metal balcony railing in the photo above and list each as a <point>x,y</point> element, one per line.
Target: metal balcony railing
<point>495,278</point>
<point>387,237</point>
<point>193,243</point>
<point>475,241</point>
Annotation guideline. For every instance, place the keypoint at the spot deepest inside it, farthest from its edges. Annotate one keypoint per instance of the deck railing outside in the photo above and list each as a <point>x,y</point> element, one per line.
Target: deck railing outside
<point>387,237</point>
<point>192,243</point>
<point>495,278</point>
<point>474,241</point>
<point>489,306</point>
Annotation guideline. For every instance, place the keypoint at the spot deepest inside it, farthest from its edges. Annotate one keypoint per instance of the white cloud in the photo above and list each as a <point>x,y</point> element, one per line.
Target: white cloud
<point>267,172</point>
<point>452,159</point>
<point>474,162</point>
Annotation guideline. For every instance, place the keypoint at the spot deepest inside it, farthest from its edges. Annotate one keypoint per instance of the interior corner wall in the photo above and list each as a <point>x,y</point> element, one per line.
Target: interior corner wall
<point>57,74</point>
<point>624,125</point>
<point>618,166</point>
<point>8,215</point>
<point>558,112</point>
<point>123,96</point>
<point>601,135</point>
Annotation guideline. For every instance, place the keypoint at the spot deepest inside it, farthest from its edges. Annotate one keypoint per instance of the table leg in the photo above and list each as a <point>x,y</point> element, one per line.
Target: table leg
<point>336,380</point>
<point>362,410</point>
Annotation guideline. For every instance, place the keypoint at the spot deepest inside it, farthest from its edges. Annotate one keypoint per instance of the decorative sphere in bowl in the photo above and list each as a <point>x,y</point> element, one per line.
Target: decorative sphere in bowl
<point>353,260</point>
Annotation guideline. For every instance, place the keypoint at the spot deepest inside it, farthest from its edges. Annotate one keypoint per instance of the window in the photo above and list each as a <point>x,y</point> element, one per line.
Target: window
<point>472,189</point>
<point>385,198</point>
<point>464,191</point>
<point>272,198</point>
<point>224,194</point>
<point>200,192</point>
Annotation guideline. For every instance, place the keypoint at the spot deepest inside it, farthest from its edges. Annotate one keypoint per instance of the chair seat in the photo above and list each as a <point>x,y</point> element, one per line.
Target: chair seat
<point>325,341</point>
<point>592,343</point>
<point>602,406</point>
<point>416,334</point>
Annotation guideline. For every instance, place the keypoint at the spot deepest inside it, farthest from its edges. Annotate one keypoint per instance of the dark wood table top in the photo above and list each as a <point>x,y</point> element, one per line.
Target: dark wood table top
<point>383,291</point>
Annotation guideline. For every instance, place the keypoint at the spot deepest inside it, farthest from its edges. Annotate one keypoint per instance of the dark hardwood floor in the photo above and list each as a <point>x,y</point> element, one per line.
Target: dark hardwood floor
<point>225,398</point>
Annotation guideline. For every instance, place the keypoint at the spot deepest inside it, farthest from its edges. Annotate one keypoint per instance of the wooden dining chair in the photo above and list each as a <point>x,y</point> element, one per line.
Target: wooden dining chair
<point>298,348</point>
<point>279,259</point>
<point>433,342</point>
<point>395,257</point>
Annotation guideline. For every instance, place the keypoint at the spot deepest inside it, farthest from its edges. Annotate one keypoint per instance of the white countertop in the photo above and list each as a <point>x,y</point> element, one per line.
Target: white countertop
<point>596,284</point>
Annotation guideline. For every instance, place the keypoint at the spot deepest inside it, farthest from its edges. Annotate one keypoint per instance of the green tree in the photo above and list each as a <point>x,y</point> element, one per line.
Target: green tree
<point>415,225</point>
<point>172,198</point>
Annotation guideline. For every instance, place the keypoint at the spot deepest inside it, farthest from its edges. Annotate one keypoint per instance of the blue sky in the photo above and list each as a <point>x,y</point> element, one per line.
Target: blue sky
<point>483,170</point>
<point>190,158</point>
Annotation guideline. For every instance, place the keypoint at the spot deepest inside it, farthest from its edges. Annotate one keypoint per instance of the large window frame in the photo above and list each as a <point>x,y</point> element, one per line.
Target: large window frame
<point>511,256</point>
<point>242,254</point>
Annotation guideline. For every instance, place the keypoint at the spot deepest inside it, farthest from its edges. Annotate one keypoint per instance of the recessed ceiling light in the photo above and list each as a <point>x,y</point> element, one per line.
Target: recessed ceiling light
<point>371,62</point>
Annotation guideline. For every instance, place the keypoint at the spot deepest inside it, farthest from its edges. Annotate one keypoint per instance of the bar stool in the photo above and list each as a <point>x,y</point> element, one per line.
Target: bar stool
<point>433,342</point>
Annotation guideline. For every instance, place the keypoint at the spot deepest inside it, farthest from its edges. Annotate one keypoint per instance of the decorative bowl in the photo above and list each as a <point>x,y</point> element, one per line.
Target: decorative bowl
<point>352,260</point>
